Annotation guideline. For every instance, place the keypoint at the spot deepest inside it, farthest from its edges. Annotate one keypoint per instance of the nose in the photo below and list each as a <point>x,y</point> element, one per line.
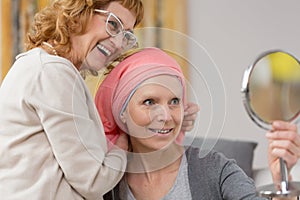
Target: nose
<point>117,40</point>
<point>161,113</point>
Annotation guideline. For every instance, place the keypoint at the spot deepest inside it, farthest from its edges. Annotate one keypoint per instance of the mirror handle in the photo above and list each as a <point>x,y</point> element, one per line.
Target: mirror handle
<point>284,176</point>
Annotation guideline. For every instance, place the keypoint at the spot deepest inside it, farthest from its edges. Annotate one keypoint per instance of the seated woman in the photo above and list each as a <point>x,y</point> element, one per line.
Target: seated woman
<point>144,96</point>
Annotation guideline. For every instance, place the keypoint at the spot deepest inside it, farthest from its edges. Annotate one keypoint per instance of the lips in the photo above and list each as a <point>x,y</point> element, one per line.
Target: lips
<point>161,131</point>
<point>104,50</point>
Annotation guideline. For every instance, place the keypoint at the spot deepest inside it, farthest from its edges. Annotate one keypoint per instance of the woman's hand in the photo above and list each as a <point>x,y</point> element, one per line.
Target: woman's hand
<point>284,142</point>
<point>190,114</point>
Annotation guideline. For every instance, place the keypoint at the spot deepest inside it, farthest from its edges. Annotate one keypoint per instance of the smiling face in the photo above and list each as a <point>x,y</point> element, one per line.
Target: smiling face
<point>154,114</point>
<point>96,44</point>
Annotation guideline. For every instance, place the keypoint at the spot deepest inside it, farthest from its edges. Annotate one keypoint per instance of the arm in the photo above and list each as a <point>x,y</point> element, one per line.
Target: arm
<point>284,142</point>
<point>213,176</point>
<point>74,131</point>
<point>235,184</point>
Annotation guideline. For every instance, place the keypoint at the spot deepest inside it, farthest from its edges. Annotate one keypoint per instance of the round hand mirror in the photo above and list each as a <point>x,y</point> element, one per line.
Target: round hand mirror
<point>271,91</point>
<point>271,88</point>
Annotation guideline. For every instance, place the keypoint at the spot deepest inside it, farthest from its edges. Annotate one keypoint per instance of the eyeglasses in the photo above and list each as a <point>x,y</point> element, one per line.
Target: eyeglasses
<point>114,27</point>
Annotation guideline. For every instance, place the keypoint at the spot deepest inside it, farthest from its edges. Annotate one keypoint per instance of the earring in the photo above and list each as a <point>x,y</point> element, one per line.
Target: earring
<point>122,117</point>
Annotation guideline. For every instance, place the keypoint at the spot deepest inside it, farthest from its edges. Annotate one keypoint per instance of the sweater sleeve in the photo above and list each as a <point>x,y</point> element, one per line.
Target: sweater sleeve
<point>213,176</point>
<point>74,131</point>
<point>234,183</point>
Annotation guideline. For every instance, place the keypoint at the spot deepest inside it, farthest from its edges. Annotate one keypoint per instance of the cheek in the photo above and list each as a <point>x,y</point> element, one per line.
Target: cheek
<point>139,117</point>
<point>178,115</point>
<point>96,30</point>
<point>137,122</point>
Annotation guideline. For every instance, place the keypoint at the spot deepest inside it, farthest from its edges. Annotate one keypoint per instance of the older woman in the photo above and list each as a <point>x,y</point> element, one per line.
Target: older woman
<point>144,96</point>
<point>52,143</point>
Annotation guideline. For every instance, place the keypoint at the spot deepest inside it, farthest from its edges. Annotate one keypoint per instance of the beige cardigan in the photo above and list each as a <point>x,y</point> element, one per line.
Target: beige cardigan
<point>52,143</point>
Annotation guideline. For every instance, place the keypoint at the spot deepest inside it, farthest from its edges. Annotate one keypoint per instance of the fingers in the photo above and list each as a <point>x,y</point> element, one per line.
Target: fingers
<point>286,146</point>
<point>284,135</point>
<point>284,142</point>
<point>286,150</point>
<point>190,115</point>
<point>281,125</point>
<point>191,109</point>
<point>187,125</point>
<point>284,131</point>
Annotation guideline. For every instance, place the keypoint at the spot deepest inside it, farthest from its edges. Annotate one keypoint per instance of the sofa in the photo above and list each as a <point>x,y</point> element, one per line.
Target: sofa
<point>243,153</point>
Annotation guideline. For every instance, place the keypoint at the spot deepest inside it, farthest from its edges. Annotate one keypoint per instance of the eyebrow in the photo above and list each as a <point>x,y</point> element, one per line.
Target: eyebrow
<point>130,30</point>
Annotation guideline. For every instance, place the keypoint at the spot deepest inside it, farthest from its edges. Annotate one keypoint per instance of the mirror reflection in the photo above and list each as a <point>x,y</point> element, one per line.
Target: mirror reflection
<point>273,90</point>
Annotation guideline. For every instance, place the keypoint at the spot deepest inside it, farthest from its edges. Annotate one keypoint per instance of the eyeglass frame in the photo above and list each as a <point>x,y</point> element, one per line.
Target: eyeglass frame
<point>123,31</point>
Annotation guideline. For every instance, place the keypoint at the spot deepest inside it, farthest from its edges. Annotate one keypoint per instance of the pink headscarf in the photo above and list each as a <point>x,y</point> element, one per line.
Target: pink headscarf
<point>124,78</point>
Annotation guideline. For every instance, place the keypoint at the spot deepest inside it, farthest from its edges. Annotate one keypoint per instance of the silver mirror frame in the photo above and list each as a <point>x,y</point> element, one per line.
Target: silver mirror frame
<point>245,92</point>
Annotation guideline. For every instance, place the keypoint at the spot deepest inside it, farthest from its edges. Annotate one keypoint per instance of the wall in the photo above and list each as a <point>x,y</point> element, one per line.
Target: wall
<point>16,17</point>
<point>234,32</point>
<point>1,41</point>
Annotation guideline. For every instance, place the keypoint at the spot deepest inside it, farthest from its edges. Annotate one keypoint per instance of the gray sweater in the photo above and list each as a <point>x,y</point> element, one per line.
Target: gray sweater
<point>212,176</point>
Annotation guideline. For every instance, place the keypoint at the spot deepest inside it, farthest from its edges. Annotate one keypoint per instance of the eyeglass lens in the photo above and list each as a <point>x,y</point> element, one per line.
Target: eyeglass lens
<point>114,27</point>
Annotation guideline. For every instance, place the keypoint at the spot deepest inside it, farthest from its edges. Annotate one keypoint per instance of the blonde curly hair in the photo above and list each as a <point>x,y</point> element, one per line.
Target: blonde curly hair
<point>63,18</point>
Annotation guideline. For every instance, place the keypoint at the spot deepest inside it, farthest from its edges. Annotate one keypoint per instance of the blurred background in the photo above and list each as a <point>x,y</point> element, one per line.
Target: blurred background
<point>215,42</point>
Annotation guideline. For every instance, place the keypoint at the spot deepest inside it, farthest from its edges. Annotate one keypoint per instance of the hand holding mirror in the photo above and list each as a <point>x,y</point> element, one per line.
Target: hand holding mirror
<point>271,91</point>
